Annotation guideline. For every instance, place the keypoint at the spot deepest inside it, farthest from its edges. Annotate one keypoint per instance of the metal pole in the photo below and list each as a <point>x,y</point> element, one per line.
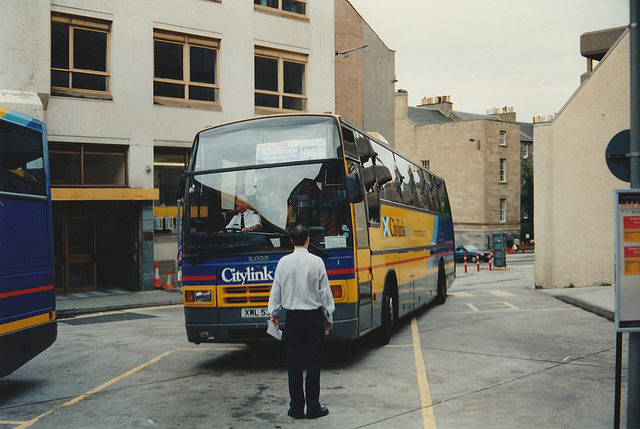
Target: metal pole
<point>618,393</point>
<point>633,398</point>
<point>634,59</point>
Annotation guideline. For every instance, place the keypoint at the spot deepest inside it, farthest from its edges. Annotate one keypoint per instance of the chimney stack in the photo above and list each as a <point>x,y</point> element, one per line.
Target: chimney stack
<point>440,103</point>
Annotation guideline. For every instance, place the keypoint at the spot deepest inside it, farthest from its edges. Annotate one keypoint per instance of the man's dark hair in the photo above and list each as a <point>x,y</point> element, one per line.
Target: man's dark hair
<point>299,235</point>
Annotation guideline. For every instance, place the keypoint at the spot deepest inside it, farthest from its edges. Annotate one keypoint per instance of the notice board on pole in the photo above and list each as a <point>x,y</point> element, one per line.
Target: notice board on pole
<point>627,244</point>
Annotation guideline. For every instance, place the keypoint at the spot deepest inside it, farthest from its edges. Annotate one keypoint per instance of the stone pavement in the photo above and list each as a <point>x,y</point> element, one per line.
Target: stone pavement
<point>597,299</point>
<point>76,304</point>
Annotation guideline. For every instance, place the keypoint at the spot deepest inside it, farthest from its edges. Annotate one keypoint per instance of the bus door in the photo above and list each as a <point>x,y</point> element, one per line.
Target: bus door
<point>363,264</point>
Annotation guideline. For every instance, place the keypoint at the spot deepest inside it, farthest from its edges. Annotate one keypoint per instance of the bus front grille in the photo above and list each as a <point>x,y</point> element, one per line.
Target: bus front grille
<point>240,295</point>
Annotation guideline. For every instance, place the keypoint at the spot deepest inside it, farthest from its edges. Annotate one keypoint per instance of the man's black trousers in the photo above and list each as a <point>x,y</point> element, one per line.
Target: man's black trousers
<point>304,337</point>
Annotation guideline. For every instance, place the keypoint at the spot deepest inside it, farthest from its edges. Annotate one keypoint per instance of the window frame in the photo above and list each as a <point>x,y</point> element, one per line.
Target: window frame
<point>503,210</point>
<point>281,57</point>
<point>280,9</point>
<point>503,138</point>
<point>165,151</point>
<point>503,170</point>
<point>187,41</point>
<point>87,149</point>
<point>87,24</point>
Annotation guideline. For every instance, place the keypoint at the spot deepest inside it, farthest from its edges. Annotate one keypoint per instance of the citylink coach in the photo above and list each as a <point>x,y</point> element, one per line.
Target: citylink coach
<point>381,223</point>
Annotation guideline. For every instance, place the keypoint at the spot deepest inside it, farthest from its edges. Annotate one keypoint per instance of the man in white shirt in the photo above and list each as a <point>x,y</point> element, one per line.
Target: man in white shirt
<point>301,286</point>
<point>246,219</point>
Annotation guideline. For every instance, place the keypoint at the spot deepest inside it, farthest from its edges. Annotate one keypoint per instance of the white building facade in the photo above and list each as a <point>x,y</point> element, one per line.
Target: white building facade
<point>123,86</point>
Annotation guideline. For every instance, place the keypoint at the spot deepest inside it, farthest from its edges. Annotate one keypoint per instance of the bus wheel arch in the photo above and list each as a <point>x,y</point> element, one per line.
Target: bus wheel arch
<point>441,298</point>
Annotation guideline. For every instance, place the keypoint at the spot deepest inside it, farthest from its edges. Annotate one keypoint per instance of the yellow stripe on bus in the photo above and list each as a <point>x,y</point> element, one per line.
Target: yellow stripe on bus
<point>27,323</point>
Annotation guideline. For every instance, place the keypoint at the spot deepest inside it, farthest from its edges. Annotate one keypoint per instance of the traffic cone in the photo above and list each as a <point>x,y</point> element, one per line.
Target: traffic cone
<point>156,278</point>
<point>168,286</point>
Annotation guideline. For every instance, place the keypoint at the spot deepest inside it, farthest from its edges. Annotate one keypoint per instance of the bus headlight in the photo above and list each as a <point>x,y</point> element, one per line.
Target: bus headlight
<point>198,296</point>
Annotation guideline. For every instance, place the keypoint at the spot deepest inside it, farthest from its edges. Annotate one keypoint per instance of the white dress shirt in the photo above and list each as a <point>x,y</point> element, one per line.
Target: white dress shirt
<point>301,283</point>
<point>251,218</point>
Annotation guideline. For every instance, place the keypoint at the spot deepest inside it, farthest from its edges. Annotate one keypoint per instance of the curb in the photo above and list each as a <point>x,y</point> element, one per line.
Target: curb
<point>577,302</point>
<point>93,307</point>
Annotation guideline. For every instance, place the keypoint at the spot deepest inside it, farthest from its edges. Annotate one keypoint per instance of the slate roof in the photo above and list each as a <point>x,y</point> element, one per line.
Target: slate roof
<point>526,132</point>
<point>422,116</point>
<point>426,116</point>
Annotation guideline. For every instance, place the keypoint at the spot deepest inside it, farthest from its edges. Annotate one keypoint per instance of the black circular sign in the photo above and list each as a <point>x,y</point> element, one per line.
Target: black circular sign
<point>616,156</point>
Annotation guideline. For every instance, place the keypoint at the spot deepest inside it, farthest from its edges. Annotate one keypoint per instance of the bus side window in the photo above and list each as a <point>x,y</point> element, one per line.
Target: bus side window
<point>421,189</point>
<point>385,163</point>
<point>367,157</point>
<point>349,142</point>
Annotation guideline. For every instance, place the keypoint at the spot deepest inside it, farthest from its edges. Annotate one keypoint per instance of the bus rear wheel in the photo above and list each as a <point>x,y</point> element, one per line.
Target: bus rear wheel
<point>441,298</point>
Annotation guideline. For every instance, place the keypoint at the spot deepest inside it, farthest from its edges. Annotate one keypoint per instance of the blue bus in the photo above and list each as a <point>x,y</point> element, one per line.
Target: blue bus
<point>381,223</point>
<point>27,296</point>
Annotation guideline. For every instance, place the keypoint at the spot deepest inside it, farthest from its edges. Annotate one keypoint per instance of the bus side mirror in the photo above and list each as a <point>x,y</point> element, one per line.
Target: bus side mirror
<point>182,178</point>
<point>354,191</point>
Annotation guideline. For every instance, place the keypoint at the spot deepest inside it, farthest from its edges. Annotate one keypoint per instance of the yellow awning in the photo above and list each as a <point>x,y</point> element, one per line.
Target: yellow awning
<point>104,194</point>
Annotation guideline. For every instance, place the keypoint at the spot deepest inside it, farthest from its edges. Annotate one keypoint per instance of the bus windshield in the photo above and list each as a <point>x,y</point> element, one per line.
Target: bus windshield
<point>267,141</point>
<point>257,181</point>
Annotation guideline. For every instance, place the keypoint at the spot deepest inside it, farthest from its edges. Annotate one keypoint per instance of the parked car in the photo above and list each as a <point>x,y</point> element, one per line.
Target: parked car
<point>471,252</point>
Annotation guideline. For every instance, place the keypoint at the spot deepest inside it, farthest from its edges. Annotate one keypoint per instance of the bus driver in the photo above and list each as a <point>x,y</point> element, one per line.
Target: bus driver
<point>245,220</point>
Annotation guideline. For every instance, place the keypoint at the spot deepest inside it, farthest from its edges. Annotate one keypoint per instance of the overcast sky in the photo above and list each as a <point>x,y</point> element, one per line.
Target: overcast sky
<point>491,53</point>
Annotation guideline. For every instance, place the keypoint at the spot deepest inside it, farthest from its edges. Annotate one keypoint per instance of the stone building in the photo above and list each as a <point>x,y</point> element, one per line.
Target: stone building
<point>477,155</point>
<point>365,74</point>
<point>574,211</point>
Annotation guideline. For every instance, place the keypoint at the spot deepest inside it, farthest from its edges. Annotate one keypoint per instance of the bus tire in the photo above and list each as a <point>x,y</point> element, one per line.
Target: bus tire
<point>441,298</point>
<point>384,333</point>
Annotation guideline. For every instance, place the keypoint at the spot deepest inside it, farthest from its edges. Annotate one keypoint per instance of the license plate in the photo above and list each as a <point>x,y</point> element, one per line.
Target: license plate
<point>255,312</point>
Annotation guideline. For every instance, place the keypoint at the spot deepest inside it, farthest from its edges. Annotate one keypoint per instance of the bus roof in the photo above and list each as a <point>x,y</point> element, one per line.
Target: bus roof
<point>21,119</point>
<point>276,115</point>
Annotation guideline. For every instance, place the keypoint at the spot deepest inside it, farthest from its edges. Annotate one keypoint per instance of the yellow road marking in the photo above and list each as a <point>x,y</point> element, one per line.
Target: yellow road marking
<point>461,294</point>
<point>497,292</point>
<point>428,419</point>
<point>508,304</point>
<point>24,425</point>
<point>508,310</point>
<point>472,307</point>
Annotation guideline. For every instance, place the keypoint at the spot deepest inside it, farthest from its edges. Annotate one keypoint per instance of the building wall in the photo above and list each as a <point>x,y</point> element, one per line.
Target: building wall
<point>131,118</point>
<point>365,81</point>
<point>573,211</point>
<point>470,169</point>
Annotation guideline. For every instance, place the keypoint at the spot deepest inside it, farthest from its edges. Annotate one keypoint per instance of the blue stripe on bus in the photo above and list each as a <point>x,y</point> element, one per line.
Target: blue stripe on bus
<point>220,271</point>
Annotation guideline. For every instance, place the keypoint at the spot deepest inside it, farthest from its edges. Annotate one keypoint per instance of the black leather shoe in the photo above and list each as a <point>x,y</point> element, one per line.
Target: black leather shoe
<point>295,415</point>
<point>323,411</point>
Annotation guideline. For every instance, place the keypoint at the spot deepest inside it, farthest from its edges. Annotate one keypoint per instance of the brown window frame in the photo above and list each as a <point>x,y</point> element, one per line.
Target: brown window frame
<point>84,149</point>
<point>87,24</point>
<point>282,57</point>
<point>187,41</point>
<point>279,7</point>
